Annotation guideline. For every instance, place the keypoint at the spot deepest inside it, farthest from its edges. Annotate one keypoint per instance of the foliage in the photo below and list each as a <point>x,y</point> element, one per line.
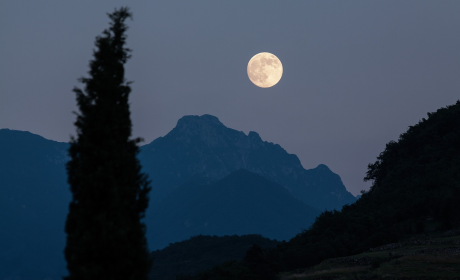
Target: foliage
<point>202,252</point>
<point>415,180</point>
<point>433,256</point>
<point>105,235</point>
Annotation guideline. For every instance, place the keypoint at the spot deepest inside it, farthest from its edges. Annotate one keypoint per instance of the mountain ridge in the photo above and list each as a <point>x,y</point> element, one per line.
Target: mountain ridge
<point>35,194</point>
<point>203,146</point>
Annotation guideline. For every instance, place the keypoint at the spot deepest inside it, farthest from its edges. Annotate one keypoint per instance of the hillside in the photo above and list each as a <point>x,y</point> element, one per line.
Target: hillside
<point>240,203</point>
<point>414,179</point>
<point>419,257</point>
<point>202,252</point>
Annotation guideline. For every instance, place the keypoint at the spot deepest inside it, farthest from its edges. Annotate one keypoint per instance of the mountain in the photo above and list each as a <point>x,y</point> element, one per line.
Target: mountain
<point>241,203</point>
<point>34,199</point>
<point>202,146</point>
<point>34,194</point>
<point>202,252</point>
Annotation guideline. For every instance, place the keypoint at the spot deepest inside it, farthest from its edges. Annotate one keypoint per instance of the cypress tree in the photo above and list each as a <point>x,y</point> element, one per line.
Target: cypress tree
<point>105,233</point>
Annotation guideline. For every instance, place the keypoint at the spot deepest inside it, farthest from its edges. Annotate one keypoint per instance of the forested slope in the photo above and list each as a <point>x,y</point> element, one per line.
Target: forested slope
<point>416,183</point>
<point>202,252</point>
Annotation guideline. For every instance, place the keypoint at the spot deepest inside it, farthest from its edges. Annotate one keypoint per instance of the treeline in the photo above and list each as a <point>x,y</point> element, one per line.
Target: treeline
<point>416,186</point>
<point>202,252</point>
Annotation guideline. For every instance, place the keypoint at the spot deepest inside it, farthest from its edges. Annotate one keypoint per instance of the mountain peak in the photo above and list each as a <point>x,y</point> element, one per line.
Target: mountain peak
<point>254,135</point>
<point>205,127</point>
<point>202,146</point>
<point>200,120</point>
<point>323,167</point>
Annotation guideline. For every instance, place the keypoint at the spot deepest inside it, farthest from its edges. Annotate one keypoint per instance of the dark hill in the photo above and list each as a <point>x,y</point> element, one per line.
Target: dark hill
<point>202,252</point>
<point>241,203</point>
<point>202,146</point>
<point>416,189</point>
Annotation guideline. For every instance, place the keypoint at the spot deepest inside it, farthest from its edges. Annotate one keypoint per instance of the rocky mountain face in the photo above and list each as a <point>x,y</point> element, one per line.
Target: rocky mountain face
<point>201,146</point>
<point>240,203</point>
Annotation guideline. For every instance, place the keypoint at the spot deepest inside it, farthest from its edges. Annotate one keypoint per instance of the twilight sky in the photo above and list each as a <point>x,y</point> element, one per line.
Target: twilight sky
<point>356,73</point>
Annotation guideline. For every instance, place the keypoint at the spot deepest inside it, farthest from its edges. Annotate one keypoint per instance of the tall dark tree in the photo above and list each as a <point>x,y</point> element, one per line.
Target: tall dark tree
<point>105,233</point>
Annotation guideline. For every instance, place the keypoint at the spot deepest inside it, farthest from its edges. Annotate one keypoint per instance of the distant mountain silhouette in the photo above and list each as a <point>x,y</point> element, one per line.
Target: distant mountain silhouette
<point>34,199</point>
<point>34,194</point>
<point>240,203</point>
<point>202,146</point>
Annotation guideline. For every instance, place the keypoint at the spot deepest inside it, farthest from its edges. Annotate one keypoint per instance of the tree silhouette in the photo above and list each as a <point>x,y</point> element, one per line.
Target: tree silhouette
<point>105,235</point>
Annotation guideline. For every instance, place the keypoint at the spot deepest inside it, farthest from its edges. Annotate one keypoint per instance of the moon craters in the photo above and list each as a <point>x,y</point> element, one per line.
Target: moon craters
<point>265,70</point>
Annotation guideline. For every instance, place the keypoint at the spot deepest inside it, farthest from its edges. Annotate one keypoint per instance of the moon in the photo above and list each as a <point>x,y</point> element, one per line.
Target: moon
<point>265,70</point>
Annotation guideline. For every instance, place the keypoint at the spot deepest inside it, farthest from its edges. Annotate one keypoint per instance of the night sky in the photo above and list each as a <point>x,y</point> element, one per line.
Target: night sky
<point>356,73</point>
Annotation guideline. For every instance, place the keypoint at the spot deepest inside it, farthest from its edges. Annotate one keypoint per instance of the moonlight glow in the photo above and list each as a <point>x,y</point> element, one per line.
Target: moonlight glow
<point>265,70</point>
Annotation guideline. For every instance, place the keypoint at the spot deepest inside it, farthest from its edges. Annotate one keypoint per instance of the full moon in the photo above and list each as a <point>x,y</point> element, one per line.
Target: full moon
<point>265,70</point>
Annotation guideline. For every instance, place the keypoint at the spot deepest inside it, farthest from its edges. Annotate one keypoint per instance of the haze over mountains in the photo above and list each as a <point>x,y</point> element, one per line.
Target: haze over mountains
<point>196,177</point>
<point>242,203</point>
